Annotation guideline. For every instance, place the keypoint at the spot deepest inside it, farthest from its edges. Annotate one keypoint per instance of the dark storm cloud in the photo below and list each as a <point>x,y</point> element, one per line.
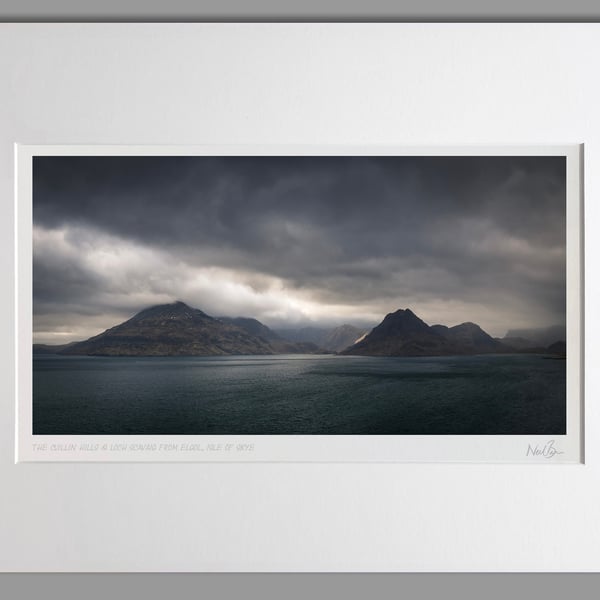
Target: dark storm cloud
<point>347,229</point>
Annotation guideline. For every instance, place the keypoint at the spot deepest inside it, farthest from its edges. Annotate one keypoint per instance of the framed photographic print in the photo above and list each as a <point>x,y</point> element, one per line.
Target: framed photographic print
<point>299,297</point>
<point>201,304</point>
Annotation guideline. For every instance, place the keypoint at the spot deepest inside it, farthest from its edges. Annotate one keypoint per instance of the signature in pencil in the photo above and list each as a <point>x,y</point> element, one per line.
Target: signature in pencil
<point>548,450</point>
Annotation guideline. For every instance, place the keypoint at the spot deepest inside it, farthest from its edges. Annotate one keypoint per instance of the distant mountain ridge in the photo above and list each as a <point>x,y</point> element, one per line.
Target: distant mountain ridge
<point>539,336</point>
<point>179,330</point>
<point>278,344</point>
<point>333,339</point>
<point>170,330</point>
<point>402,333</point>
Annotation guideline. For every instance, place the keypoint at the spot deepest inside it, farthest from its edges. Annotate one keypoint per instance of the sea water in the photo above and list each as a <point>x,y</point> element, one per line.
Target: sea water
<point>299,394</point>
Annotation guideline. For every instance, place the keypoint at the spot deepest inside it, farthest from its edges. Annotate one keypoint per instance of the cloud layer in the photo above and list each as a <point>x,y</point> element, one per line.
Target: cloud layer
<point>298,239</point>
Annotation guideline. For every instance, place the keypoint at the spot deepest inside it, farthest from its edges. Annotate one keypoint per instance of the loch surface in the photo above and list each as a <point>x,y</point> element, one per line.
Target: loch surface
<point>299,394</point>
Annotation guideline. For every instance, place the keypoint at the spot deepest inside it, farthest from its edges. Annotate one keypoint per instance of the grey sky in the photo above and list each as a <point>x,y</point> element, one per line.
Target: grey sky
<point>298,240</point>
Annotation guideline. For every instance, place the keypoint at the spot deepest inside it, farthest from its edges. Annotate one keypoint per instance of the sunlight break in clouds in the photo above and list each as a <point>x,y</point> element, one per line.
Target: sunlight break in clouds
<point>122,277</point>
<point>299,239</point>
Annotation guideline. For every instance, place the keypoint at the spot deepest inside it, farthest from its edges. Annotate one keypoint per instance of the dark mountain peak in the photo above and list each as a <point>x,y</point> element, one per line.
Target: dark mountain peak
<point>402,311</point>
<point>468,326</point>
<point>174,311</point>
<point>402,333</point>
<point>177,305</point>
<point>404,321</point>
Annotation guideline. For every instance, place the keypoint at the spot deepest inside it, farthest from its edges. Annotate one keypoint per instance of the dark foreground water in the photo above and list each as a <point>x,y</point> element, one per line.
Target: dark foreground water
<point>503,394</point>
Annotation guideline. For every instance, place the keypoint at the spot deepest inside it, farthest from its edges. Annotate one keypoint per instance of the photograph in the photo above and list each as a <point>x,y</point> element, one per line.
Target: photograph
<point>299,294</point>
<point>300,298</point>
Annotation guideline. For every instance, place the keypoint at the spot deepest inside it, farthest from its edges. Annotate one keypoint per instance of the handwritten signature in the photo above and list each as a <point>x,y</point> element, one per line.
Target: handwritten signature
<point>548,450</point>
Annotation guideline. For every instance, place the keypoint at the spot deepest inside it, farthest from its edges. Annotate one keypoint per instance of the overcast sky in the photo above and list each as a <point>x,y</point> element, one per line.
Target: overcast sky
<point>298,240</point>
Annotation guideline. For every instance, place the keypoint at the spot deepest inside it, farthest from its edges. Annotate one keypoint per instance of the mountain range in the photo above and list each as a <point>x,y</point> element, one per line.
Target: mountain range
<point>402,333</point>
<point>179,330</point>
<point>333,339</point>
<point>278,344</point>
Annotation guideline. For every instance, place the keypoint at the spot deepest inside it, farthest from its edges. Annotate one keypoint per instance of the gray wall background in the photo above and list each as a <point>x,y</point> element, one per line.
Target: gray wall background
<point>292,586</point>
<point>294,10</point>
